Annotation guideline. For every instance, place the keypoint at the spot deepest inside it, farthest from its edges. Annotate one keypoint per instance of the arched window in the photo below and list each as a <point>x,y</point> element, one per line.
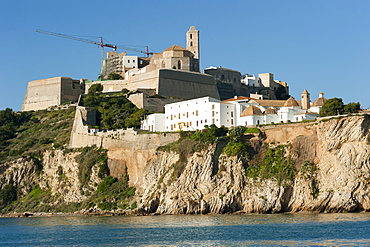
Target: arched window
<point>163,65</point>
<point>179,64</point>
<point>191,43</point>
<point>191,36</point>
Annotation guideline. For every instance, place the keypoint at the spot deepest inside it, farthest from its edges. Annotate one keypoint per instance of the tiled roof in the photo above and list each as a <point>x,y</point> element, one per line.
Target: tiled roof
<point>291,102</point>
<point>175,48</point>
<point>274,103</point>
<point>251,110</point>
<point>319,101</point>
<point>270,111</point>
<point>236,99</point>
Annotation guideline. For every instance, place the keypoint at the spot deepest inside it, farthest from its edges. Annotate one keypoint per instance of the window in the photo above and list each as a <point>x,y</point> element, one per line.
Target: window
<point>196,113</point>
<point>232,114</point>
<point>213,113</point>
<point>232,121</point>
<point>187,114</point>
<point>179,115</point>
<point>133,61</point>
<point>213,107</point>
<point>191,43</point>
<point>191,36</point>
<point>213,120</point>
<point>179,64</point>
<point>163,65</point>
<point>197,123</point>
<point>128,61</point>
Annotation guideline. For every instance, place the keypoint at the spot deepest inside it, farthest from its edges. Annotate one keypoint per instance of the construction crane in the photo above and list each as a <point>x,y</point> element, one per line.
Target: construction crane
<point>101,44</point>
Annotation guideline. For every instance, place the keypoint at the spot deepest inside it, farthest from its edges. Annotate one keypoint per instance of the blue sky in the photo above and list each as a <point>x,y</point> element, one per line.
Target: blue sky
<point>318,45</point>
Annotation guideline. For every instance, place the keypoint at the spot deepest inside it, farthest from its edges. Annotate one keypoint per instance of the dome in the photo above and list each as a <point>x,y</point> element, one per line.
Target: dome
<point>251,110</point>
<point>319,102</point>
<point>291,102</point>
<point>270,111</point>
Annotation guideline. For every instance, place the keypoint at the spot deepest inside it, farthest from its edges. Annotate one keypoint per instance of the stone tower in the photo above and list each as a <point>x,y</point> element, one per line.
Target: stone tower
<point>192,41</point>
<point>305,100</point>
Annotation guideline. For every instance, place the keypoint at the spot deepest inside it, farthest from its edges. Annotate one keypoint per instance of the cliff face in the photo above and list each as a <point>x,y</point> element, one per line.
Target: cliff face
<point>332,159</point>
<point>57,173</point>
<point>213,183</point>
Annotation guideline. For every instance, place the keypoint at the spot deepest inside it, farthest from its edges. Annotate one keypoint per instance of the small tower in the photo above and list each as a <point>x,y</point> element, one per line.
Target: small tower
<point>305,100</point>
<point>192,41</point>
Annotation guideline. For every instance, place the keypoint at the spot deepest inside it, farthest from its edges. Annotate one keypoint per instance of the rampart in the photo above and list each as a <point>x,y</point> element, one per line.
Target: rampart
<point>82,136</point>
<point>167,82</point>
<point>44,93</point>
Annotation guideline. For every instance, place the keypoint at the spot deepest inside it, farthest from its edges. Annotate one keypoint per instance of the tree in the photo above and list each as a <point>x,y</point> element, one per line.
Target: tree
<point>114,76</point>
<point>352,107</point>
<point>332,107</point>
<point>95,88</point>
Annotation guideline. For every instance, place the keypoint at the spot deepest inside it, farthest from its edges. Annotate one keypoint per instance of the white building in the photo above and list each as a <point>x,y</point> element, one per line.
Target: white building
<point>196,113</point>
<point>154,122</point>
<point>239,111</point>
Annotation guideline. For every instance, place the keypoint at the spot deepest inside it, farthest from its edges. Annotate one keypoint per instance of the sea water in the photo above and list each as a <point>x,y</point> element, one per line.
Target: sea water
<point>189,230</point>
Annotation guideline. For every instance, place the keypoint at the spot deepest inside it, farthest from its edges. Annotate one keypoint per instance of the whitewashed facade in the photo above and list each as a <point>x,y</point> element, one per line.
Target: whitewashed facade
<point>195,114</point>
<point>154,122</point>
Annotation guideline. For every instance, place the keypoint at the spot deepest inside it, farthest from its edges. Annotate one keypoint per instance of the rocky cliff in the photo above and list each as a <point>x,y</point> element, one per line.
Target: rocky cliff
<point>337,151</point>
<point>331,160</point>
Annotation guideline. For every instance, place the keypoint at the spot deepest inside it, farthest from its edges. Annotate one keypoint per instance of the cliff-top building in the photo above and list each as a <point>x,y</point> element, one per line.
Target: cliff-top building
<point>173,73</point>
<point>195,114</point>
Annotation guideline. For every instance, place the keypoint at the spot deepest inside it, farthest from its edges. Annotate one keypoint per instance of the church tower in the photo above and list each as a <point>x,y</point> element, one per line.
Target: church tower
<point>192,41</point>
<point>305,103</point>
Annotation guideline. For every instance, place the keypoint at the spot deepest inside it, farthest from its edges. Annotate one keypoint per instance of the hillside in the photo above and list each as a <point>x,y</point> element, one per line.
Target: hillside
<point>319,166</point>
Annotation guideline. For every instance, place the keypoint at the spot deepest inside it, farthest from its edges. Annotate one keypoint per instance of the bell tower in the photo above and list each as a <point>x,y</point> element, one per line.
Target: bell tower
<point>192,41</point>
<point>305,100</point>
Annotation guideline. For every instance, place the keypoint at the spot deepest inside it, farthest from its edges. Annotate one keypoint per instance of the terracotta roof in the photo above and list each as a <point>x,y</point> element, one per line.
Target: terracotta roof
<point>269,111</point>
<point>275,103</point>
<point>175,48</point>
<point>319,101</point>
<point>291,102</point>
<point>251,110</point>
<point>236,99</point>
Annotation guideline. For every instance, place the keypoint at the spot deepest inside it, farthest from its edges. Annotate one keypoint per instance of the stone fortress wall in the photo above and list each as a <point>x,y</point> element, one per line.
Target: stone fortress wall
<point>82,136</point>
<point>42,94</point>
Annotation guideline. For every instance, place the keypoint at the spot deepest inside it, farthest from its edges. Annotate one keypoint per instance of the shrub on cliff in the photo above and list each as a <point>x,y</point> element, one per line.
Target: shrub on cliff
<point>274,165</point>
<point>89,157</point>
<point>27,133</point>
<point>7,195</point>
<point>114,111</point>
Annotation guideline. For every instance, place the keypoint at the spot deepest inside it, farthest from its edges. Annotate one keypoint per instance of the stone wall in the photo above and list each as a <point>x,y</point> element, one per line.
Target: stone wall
<point>42,94</point>
<point>166,82</point>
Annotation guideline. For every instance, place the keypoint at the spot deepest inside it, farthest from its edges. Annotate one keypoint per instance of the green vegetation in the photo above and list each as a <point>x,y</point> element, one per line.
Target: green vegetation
<point>114,111</point>
<point>28,134</point>
<point>7,195</point>
<point>112,194</point>
<point>335,106</point>
<point>89,157</point>
<point>274,165</point>
<point>114,76</point>
<point>309,172</point>
<point>237,144</point>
